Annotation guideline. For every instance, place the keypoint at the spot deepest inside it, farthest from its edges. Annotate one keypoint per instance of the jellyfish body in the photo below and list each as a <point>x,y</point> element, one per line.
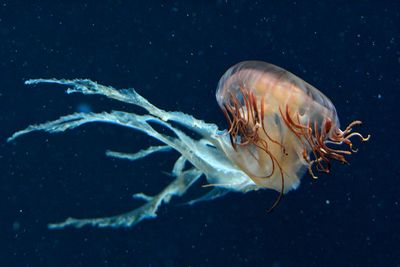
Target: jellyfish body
<point>276,120</point>
<point>279,126</point>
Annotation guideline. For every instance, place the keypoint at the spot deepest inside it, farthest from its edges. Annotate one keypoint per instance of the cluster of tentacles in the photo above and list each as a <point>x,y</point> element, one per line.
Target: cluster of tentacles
<point>246,120</point>
<point>315,139</point>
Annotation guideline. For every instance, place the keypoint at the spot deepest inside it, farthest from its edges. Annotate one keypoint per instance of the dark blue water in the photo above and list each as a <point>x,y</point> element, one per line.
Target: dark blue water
<point>174,53</point>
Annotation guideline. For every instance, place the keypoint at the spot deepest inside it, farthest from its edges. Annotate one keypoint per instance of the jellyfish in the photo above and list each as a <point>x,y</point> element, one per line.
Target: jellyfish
<point>279,127</point>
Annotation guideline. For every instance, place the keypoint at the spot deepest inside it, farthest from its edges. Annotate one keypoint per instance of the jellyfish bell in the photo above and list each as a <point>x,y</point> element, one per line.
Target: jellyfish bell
<point>276,120</point>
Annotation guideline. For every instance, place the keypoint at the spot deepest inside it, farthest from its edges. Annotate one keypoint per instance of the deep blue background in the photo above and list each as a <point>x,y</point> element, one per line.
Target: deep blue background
<point>174,54</point>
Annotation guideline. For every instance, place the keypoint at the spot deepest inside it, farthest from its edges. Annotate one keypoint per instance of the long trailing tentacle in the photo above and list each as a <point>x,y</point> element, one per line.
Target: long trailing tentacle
<point>148,210</point>
<point>204,155</point>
